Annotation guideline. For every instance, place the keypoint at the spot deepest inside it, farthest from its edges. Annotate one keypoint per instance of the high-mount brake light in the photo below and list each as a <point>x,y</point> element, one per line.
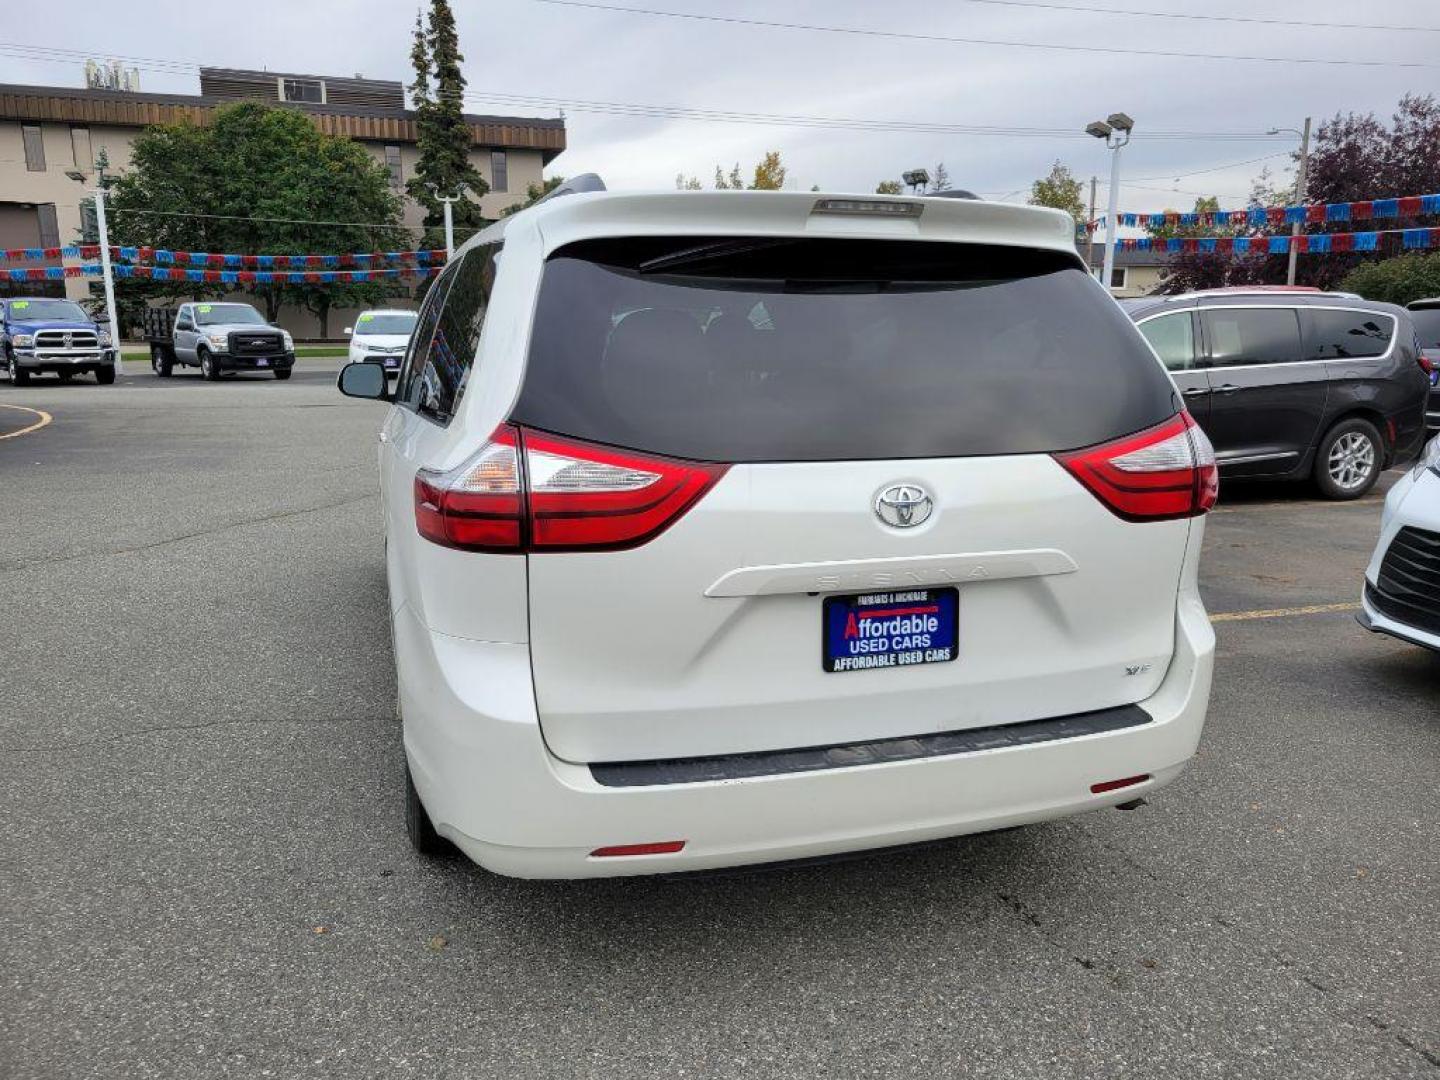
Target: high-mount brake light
<point>1167,471</point>
<point>529,491</point>
<point>870,207</point>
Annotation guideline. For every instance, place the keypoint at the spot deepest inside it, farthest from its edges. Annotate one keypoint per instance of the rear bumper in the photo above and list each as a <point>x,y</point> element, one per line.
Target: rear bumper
<point>476,752</point>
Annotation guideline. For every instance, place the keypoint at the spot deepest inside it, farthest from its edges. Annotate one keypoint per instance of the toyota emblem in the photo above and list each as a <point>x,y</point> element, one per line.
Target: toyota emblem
<point>904,506</point>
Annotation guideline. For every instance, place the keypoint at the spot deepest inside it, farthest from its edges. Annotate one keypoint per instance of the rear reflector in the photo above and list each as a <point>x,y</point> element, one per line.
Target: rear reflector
<point>1116,785</point>
<point>664,847</point>
<point>1167,471</point>
<point>529,491</point>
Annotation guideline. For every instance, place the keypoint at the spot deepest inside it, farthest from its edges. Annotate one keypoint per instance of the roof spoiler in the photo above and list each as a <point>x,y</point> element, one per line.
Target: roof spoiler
<point>576,185</point>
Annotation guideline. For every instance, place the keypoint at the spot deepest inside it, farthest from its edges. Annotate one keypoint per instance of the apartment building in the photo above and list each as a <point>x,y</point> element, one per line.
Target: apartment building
<point>48,131</point>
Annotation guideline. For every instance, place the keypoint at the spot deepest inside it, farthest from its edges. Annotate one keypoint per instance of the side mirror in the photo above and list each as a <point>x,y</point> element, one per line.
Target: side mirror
<point>349,330</point>
<point>364,380</point>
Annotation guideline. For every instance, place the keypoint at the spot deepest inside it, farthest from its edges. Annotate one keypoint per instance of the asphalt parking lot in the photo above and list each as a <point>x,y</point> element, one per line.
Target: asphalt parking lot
<point>204,870</point>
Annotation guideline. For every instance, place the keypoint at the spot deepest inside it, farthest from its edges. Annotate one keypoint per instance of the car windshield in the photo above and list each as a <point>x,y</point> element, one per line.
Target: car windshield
<point>1427,325</point>
<point>390,322</point>
<point>68,310</point>
<point>218,314</point>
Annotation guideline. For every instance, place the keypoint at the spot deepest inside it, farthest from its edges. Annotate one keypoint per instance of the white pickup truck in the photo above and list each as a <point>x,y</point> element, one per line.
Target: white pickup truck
<point>216,338</point>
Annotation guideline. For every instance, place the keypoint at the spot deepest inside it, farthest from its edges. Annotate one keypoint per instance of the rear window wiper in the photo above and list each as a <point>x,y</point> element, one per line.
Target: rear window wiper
<point>706,252</point>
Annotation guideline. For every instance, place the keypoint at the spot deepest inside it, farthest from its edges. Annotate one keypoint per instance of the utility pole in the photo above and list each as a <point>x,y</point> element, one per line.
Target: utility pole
<point>1301,180</point>
<point>1090,254</point>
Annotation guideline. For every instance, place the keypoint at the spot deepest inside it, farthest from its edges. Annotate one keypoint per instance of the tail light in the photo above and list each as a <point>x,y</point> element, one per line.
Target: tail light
<point>1426,359</point>
<point>1167,471</point>
<point>529,491</point>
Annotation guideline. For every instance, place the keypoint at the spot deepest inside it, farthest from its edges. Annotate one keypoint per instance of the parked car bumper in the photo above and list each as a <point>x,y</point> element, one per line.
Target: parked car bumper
<point>479,760</point>
<point>62,360</point>
<point>230,362</point>
<point>1413,502</point>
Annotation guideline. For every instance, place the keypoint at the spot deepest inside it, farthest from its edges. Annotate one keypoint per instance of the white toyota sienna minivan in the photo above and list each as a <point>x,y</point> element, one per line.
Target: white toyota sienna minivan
<point>742,527</point>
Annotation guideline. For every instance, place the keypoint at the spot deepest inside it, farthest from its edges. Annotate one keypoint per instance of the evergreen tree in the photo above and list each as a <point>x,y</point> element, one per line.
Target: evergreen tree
<point>444,139</point>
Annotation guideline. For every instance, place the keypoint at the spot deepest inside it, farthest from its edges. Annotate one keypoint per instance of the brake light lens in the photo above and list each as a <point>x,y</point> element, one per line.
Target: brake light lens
<point>529,491</point>
<point>663,847</point>
<point>1167,471</point>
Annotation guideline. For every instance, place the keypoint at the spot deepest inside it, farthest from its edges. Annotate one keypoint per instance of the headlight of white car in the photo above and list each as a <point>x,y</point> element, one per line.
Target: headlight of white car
<point>289,341</point>
<point>1429,458</point>
<point>23,341</point>
<point>218,340</point>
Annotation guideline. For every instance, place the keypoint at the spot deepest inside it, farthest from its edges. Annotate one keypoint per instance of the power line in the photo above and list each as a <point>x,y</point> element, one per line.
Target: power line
<point>902,35</point>
<point>667,111</point>
<point>1251,19</point>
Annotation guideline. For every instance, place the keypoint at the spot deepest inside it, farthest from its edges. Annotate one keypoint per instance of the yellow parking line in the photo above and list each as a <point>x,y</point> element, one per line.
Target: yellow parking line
<point>1280,613</point>
<point>45,418</point>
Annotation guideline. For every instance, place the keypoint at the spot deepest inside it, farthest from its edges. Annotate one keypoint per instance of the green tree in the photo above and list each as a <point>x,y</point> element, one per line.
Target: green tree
<point>686,183</point>
<point>769,173</point>
<point>444,139</point>
<point>533,194</point>
<point>1396,281</point>
<point>889,187</point>
<point>257,180</point>
<point>1060,190</point>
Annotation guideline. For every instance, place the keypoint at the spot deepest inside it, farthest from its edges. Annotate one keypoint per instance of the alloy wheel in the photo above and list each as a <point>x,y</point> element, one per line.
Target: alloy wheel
<point>1351,460</point>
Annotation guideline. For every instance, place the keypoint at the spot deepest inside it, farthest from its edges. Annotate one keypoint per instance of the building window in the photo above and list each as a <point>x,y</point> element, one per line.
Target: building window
<point>80,148</point>
<point>34,147</point>
<point>311,90</point>
<point>499,171</point>
<point>392,162</point>
<point>1119,276</point>
<point>49,226</point>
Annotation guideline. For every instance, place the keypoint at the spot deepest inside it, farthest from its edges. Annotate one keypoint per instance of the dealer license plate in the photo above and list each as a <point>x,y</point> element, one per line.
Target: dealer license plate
<point>890,629</point>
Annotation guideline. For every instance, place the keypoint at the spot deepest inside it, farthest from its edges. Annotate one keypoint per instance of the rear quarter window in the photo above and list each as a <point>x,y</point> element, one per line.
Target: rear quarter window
<point>1336,335</point>
<point>756,349</point>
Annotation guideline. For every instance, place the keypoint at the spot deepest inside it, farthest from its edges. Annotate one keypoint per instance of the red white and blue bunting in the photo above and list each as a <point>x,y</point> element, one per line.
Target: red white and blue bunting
<point>268,277</point>
<point>51,273</point>
<point>1262,216</point>
<point>1316,243</point>
<point>166,257</point>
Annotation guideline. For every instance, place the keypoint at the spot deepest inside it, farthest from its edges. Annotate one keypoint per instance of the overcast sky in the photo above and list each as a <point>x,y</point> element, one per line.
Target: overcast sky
<point>582,55</point>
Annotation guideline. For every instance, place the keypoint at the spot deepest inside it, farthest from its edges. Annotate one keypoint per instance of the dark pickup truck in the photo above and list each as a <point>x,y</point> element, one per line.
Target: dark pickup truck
<point>216,338</point>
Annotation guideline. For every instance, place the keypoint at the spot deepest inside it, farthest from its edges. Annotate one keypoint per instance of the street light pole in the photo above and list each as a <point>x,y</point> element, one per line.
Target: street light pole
<point>1115,130</point>
<point>1301,180</point>
<point>448,200</point>
<point>103,231</point>
<point>108,275</point>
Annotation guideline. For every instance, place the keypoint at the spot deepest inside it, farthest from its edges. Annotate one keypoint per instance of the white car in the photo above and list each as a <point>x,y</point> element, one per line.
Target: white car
<point>380,336</point>
<point>734,528</point>
<point>1402,583</point>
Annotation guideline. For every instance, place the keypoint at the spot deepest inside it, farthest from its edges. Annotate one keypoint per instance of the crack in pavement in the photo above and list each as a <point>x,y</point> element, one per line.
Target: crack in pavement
<point>17,568</point>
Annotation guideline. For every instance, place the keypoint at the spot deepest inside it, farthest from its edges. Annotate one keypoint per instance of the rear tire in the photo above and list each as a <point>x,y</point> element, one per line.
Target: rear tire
<point>105,375</point>
<point>161,362</point>
<point>282,373</point>
<point>1349,459</point>
<point>209,369</point>
<point>423,837</point>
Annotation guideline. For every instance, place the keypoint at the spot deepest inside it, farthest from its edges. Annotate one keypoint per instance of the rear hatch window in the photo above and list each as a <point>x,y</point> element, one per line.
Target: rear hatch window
<point>773,349</point>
